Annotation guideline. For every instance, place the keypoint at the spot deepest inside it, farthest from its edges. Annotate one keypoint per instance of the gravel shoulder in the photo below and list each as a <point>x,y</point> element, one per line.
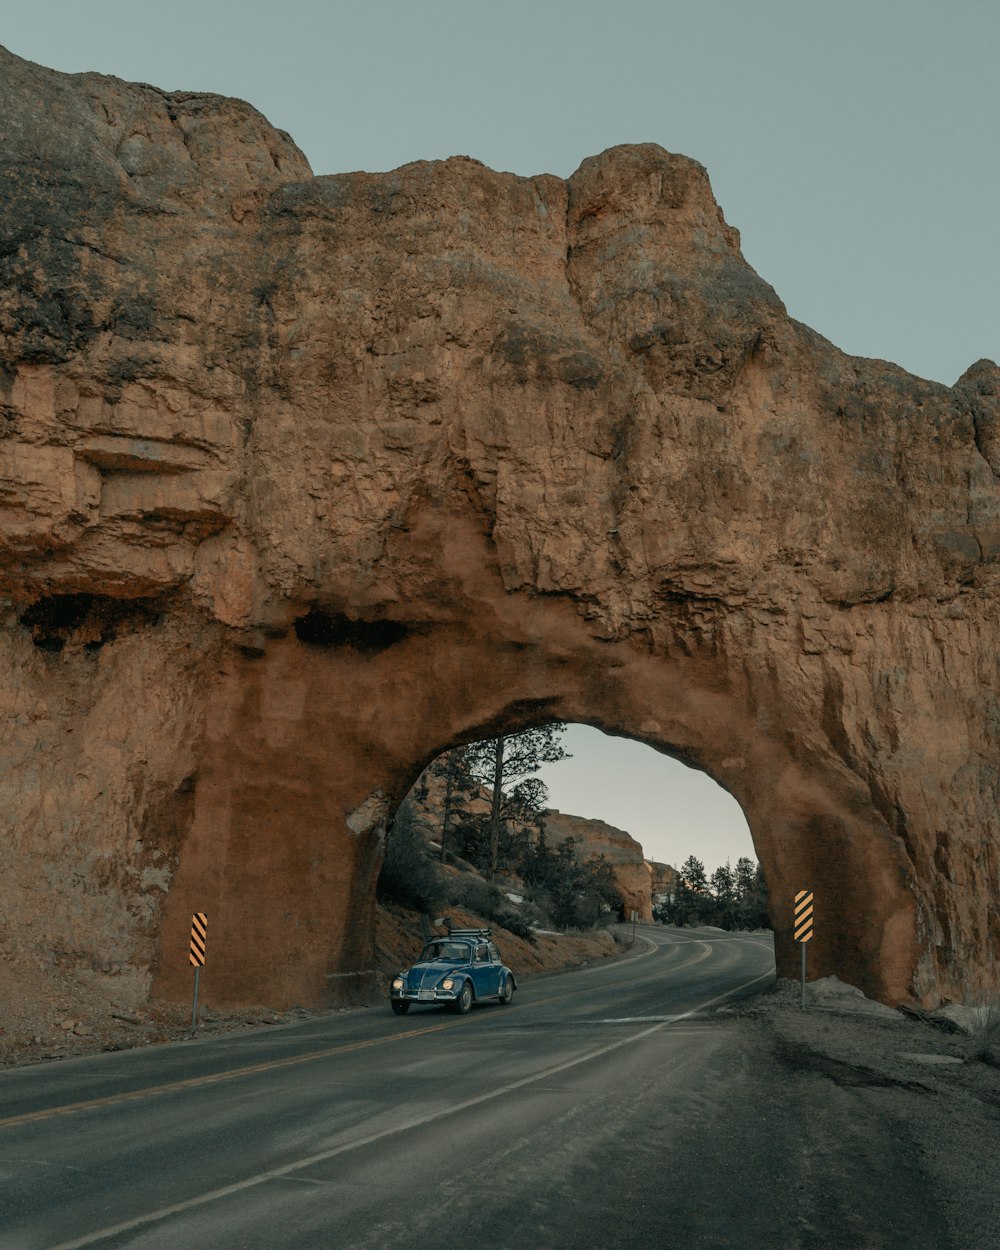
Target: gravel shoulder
<point>901,1084</point>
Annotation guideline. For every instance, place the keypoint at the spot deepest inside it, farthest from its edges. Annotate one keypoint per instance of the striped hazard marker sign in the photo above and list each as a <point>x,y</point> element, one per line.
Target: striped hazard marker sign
<point>199,929</point>
<point>803,930</point>
<point>803,916</point>
<point>196,955</point>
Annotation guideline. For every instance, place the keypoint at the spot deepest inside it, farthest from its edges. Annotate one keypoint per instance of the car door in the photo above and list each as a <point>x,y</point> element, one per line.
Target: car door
<point>497,963</point>
<point>484,972</point>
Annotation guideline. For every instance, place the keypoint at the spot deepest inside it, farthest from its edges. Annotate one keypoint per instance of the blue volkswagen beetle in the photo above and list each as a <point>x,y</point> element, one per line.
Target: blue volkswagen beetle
<point>458,970</point>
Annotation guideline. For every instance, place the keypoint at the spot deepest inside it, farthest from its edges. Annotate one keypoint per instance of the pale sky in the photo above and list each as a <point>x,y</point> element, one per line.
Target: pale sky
<point>674,811</point>
<point>853,144</point>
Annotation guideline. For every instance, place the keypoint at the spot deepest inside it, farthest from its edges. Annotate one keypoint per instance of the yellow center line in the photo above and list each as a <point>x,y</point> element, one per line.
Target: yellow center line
<point>271,1065</point>
<point>213,1077</point>
<point>680,1063</point>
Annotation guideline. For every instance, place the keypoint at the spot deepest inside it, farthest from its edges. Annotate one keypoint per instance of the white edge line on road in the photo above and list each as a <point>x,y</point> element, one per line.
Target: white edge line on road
<point>637,1020</point>
<point>311,1160</point>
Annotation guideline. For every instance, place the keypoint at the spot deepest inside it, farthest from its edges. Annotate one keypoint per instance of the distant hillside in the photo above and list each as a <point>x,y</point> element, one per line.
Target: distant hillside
<point>640,882</point>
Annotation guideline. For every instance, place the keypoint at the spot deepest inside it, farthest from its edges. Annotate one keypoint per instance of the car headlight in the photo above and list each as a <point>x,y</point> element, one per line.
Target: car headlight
<point>447,984</point>
<point>398,983</point>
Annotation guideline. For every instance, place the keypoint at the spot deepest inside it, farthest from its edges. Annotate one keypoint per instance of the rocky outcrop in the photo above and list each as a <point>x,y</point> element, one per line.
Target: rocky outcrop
<point>662,880</point>
<point>303,480</point>
<point>596,838</point>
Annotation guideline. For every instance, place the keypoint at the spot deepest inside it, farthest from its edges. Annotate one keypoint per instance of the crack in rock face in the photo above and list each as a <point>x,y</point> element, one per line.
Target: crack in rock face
<point>305,479</point>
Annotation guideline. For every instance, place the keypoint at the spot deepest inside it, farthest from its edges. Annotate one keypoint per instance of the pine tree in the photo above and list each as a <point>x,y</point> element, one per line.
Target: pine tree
<point>693,873</point>
<point>503,766</point>
<point>459,784</point>
<point>733,898</point>
<point>724,890</point>
<point>759,915</point>
<point>692,886</point>
<point>744,876</point>
<point>744,890</point>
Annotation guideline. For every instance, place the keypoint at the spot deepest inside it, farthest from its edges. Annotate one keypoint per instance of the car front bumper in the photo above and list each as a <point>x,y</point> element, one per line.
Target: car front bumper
<point>423,996</point>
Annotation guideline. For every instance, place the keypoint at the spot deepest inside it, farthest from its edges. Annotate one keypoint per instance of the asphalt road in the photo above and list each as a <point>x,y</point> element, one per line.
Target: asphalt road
<point>601,1109</point>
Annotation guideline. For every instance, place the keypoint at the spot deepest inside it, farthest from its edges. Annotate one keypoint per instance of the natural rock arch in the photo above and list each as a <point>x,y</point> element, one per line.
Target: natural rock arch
<point>305,479</point>
<point>289,758</point>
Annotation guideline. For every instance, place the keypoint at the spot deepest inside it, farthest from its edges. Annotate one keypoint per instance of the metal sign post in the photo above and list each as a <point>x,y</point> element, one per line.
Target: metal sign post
<point>194,1004</point>
<point>199,931</point>
<point>803,929</point>
<point>802,948</point>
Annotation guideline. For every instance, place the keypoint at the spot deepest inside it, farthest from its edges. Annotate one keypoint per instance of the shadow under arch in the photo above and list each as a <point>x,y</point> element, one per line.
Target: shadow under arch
<point>310,746</point>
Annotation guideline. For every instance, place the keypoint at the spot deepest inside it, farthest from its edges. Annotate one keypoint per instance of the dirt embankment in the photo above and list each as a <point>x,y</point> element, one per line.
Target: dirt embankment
<point>50,1012</point>
<point>398,940</point>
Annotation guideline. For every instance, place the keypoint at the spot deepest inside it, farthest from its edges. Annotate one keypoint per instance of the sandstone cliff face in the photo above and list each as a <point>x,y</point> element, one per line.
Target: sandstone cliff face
<point>303,480</point>
<point>620,849</point>
<point>662,879</point>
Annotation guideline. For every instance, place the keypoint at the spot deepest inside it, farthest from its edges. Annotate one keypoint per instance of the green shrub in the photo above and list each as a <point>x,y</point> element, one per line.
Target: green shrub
<point>514,923</point>
<point>475,895</point>
<point>478,896</point>
<point>533,911</point>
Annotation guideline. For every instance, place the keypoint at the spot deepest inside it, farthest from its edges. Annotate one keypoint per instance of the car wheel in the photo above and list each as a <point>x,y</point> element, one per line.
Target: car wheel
<point>464,1000</point>
<point>506,992</point>
<point>399,1008</point>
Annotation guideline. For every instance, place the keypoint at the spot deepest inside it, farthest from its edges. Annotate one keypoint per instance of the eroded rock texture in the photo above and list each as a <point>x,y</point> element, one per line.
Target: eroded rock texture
<point>595,838</point>
<point>304,479</point>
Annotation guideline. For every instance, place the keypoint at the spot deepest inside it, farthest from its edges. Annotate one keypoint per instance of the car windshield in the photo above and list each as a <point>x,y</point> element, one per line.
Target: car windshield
<point>446,950</point>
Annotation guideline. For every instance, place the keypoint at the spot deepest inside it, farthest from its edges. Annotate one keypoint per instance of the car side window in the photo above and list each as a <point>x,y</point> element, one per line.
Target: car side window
<point>494,954</point>
<point>482,955</point>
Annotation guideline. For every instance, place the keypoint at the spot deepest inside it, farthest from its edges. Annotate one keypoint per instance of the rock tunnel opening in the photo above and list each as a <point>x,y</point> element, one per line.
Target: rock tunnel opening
<point>312,746</point>
<point>610,831</point>
<point>805,844</point>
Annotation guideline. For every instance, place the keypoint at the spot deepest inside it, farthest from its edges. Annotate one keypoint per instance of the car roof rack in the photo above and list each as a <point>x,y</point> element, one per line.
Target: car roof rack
<point>469,933</point>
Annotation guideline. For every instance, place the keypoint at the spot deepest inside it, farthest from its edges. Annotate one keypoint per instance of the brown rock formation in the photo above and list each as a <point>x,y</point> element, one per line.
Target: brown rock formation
<point>620,849</point>
<point>303,480</point>
<point>662,879</point>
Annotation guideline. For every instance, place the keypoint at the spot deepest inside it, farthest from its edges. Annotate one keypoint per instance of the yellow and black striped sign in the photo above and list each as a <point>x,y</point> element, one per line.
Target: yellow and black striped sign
<point>199,928</point>
<point>803,915</point>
